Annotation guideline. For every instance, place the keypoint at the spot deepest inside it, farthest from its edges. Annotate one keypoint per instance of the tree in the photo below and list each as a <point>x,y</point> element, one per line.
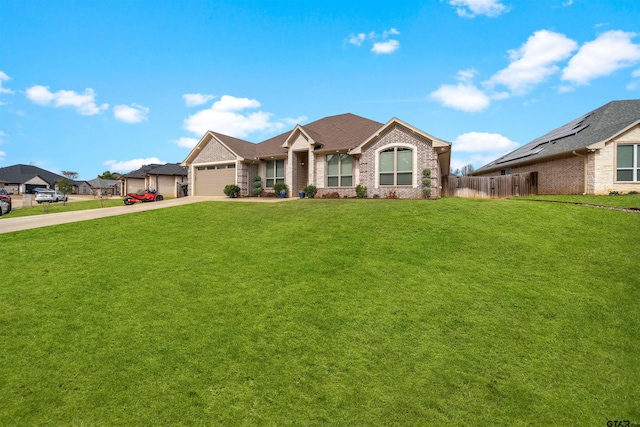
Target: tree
<point>65,187</point>
<point>467,169</point>
<point>70,175</point>
<point>109,175</point>
<point>463,171</point>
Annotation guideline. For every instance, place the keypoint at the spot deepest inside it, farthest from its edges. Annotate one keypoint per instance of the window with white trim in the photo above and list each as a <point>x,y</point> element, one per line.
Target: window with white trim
<point>275,172</point>
<point>396,166</point>
<point>628,162</point>
<point>339,170</point>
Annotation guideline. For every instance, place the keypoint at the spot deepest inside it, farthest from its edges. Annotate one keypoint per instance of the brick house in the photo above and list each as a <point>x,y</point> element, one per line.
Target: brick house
<point>165,179</point>
<point>335,154</point>
<point>596,153</point>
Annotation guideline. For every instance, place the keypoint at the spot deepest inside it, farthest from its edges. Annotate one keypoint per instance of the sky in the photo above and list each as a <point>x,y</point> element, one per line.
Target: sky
<point>91,86</point>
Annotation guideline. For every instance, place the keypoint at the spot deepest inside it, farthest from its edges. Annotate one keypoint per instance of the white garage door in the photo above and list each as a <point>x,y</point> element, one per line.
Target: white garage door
<point>211,180</point>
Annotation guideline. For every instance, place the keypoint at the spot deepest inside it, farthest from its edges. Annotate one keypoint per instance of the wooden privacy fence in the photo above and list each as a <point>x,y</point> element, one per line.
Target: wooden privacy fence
<point>486,187</point>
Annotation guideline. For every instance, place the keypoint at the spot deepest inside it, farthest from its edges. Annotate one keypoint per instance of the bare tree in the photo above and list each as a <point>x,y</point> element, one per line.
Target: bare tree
<point>467,169</point>
<point>70,175</point>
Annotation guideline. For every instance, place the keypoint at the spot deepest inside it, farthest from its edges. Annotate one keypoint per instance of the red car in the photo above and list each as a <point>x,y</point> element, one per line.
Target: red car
<point>147,196</point>
<point>6,197</point>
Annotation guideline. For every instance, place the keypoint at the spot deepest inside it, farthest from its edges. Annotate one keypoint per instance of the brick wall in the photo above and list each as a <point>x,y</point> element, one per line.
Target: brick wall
<point>213,152</point>
<point>425,156</point>
<point>561,176</point>
<point>604,165</point>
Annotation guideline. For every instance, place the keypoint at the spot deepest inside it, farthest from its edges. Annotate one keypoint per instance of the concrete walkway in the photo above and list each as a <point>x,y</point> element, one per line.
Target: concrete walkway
<point>8,224</point>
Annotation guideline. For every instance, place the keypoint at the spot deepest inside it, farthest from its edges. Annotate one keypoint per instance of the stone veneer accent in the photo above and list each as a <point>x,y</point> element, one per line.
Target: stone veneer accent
<point>426,156</point>
<point>213,153</point>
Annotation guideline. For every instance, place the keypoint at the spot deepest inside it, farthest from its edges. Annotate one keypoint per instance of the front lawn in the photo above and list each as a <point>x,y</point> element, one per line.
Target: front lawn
<point>50,208</point>
<point>620,201</point>
<point>325,312</point>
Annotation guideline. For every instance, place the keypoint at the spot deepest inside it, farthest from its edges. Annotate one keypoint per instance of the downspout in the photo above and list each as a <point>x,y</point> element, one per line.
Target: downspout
<point>586,171</point>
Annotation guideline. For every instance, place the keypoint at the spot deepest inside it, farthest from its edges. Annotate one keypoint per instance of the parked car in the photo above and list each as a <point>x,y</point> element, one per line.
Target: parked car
<point>46,196</point>
<point>4,207</point>
<point>60,197</point>
<point>6,197</point>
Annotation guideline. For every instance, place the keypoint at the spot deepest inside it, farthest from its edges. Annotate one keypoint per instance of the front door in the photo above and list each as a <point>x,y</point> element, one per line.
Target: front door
<point>301,176</point>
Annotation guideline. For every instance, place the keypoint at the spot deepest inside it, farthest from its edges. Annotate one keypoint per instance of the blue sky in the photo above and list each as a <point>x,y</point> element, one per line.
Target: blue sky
<point>90,86</point>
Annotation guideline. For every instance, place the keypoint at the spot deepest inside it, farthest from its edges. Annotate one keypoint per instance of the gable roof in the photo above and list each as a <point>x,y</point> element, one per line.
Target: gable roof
<point>340,132</point>
<point>589,131</point>
<point>156,169</point>
<point>19,174</point>
<point>102,183</point>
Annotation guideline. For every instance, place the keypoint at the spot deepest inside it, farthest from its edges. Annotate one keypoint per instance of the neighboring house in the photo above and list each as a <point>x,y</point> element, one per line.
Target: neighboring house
<point>594,154</point>
<point>105,187</point>
<point>335,154</point>
<point>165,179</point>
<point>21,179</point>
<point>81,187</point>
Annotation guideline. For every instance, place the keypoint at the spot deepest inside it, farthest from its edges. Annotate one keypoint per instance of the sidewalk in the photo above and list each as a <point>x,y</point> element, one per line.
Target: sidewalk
<point>8,224</point>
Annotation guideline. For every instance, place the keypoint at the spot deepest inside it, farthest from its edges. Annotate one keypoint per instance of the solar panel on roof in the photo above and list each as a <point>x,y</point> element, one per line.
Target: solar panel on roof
<point>536,146</point>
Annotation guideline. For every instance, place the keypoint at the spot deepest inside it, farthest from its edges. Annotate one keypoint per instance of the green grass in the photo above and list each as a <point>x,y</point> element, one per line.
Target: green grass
<point>621,201</point>
<point>49,208</point>
<point>325,312</point>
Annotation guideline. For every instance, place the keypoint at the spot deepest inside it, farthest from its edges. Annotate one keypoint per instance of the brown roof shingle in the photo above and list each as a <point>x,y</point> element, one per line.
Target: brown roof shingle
<point>339,132</point>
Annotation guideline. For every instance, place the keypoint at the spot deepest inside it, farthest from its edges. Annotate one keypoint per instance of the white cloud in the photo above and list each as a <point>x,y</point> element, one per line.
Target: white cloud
<point>228,117</point>
<point>567,3</point>
<point>5,78</point>
<point>193,99</point>
<point>130,114</point>
<point>391,31</point>
<point>83,103</point>
<point>475,142</point>
<point>387,47</point>
<point>2,136</point>
<point>131,165</point>
<point>473,8</point>
<point>2,155</point>
<point>357,39</point>
<point>479,148</point>
<point>636,74</point>
<point>231,103</point>
<point>380,44</point>
<point>186,142</point>
<point>463,96</point>
<point>534,61</point>
<point>609,52</point>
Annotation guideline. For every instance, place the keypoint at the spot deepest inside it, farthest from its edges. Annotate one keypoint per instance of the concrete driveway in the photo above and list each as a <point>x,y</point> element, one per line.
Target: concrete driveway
<point>8,224</point>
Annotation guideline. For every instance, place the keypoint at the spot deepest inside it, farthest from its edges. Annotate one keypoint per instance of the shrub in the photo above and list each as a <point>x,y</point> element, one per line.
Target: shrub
<point>614,193</point>
<point>632,192</point>
<point>426,181</point>
<point>361,191</point>
<point>391,195</point>
<point>257,185</point>
<point>334,195</point>
<point>280,187</point>
<point>232,191</point>
<point>310,191</point>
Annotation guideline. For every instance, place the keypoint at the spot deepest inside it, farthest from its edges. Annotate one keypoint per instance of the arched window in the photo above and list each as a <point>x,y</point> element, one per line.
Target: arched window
<point>396,166</point>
